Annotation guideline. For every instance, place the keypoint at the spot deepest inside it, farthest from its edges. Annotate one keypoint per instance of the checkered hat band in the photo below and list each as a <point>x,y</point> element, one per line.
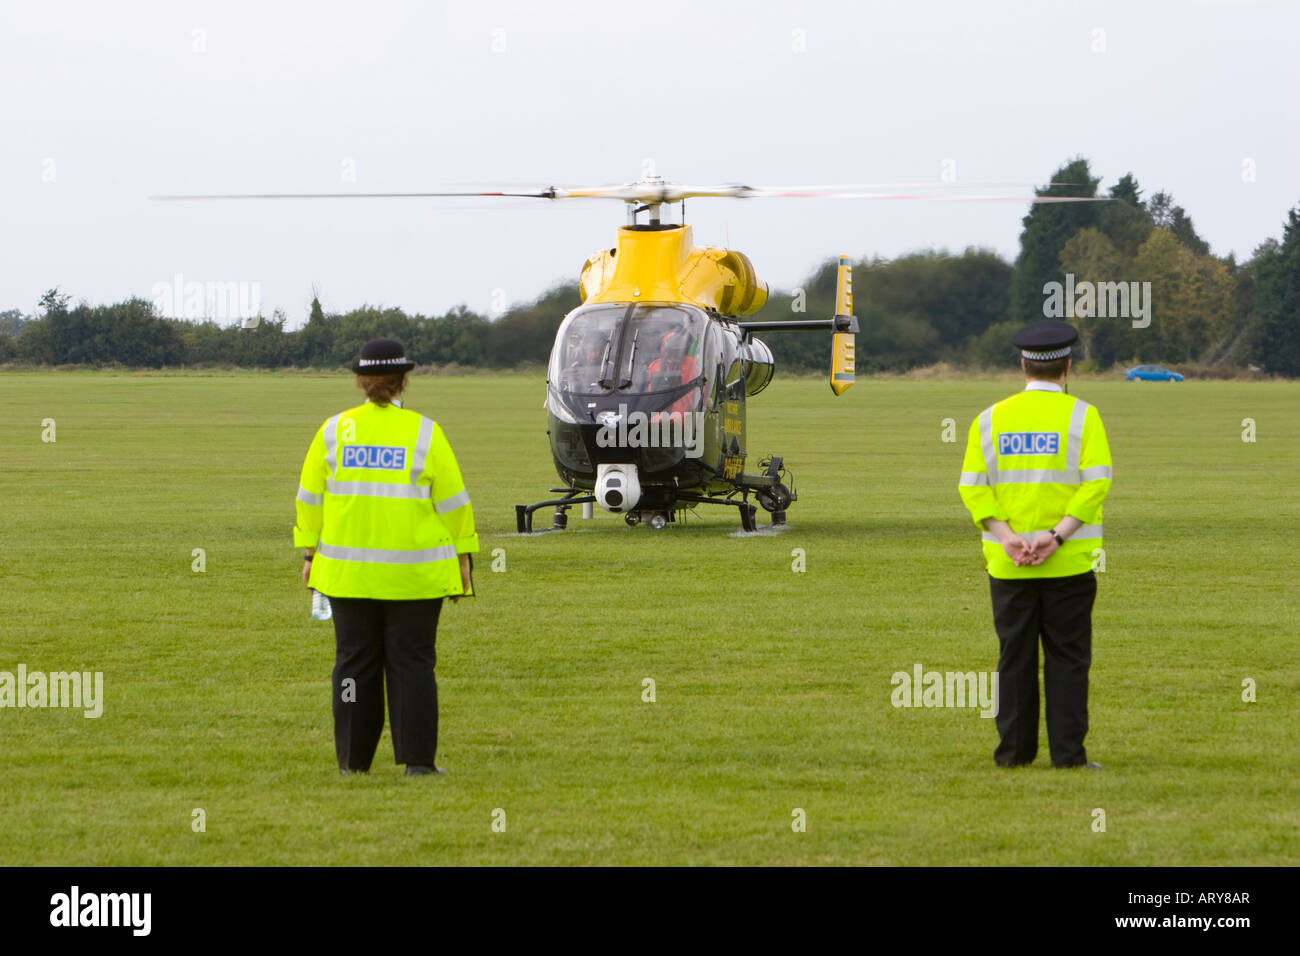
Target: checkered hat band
<point>1045,356</point>
<point>392,361</point>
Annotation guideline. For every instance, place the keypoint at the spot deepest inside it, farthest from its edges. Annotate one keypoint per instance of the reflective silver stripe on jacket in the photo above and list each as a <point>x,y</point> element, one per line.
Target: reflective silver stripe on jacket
<point>452,503</point>
<point>986,443</point>
<point>385,556</point>
<point>1087,531</point>
<point>376,489</point>
<point>1095,472</point>
<point>422,442</point>
<point>1074,444</point>
<point>331,436</point>
<point>973,478</point>
<point>307,498</point>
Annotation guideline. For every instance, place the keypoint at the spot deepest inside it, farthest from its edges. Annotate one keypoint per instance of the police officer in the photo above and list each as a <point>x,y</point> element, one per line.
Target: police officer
<point>388,530</point>
<point>1036,471</point>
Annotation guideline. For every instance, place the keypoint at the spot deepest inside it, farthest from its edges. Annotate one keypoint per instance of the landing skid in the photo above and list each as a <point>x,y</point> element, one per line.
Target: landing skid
<point>573,496</point>
<point>767,489</point>
<point>560,521</point>
<point>748,521</point>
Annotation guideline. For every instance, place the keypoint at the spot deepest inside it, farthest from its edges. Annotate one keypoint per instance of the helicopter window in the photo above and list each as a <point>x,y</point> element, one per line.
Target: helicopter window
<point>666,351</point>
<point>584,347</point>
<point>634,348</point>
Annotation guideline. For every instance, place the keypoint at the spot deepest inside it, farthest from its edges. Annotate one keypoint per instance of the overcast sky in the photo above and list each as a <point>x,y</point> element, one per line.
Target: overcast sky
<point>105,104</point>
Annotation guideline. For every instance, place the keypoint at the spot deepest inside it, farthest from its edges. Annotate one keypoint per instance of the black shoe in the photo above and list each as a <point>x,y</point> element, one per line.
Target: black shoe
<point>347,770</point>
<point>419,770</point>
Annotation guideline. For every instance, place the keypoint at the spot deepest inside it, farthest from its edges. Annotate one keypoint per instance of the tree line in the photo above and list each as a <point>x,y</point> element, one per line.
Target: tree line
<point>1132,274</point>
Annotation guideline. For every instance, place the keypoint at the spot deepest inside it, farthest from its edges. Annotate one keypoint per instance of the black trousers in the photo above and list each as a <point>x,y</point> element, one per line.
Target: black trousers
<point>1059,610</point>
<point>382,642</point>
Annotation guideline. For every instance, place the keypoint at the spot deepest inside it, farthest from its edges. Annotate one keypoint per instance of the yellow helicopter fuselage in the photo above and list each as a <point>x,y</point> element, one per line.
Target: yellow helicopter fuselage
<point>662,264</point>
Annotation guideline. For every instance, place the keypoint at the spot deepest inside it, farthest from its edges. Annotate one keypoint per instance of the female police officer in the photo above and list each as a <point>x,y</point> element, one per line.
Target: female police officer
<point>388,530</point>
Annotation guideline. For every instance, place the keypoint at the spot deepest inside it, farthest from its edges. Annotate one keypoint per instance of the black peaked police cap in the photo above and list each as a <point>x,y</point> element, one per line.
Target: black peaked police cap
<point>1047,340</point>
<point>380,356</point>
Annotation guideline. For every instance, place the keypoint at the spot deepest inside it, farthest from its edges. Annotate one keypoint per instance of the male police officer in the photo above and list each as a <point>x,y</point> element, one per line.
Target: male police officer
<point>1036,471</point>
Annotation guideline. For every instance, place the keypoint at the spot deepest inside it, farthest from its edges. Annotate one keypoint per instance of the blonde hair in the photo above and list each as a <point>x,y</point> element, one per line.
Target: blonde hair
<point>382,389</point>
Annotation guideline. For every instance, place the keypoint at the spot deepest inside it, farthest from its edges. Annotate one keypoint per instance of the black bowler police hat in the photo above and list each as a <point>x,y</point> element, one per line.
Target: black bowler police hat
<point>380,356</point>
<point>1044,341</point>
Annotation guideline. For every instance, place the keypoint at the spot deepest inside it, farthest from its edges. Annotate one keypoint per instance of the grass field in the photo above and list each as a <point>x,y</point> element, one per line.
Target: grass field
<point>772,687</point>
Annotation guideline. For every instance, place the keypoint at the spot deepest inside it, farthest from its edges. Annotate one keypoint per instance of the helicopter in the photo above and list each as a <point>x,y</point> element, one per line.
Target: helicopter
<point>649,378</point>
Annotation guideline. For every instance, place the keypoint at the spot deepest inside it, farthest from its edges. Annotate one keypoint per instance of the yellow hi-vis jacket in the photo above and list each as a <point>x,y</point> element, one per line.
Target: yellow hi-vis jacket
<point>382,501</point>
<point>1030,460</point>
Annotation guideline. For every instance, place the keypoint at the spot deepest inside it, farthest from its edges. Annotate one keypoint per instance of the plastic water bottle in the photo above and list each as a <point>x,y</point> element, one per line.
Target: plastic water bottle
<point>320,606</point>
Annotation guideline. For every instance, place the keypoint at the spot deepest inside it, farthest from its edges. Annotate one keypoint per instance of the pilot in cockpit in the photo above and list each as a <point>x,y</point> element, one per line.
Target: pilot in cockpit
<point>676,365</point>
<point>585,354</point>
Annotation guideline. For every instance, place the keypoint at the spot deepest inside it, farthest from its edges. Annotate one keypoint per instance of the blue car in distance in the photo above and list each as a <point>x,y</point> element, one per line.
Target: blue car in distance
<point>1152,373</point>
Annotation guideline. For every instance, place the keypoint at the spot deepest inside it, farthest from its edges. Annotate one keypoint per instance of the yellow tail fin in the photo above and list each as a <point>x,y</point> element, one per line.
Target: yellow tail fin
<point>842,346</point>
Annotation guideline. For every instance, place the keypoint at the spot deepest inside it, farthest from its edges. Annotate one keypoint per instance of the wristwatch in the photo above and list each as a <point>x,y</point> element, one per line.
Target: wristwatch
<point>306,556</point>
<point>1059,539</point>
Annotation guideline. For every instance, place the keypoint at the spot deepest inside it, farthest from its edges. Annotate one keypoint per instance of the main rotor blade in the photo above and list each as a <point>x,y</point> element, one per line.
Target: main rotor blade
<point>934,197</point>
<point>676,192</point>
<point>535,194</point>
<point>820,188</point>
<point>652,193</point>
